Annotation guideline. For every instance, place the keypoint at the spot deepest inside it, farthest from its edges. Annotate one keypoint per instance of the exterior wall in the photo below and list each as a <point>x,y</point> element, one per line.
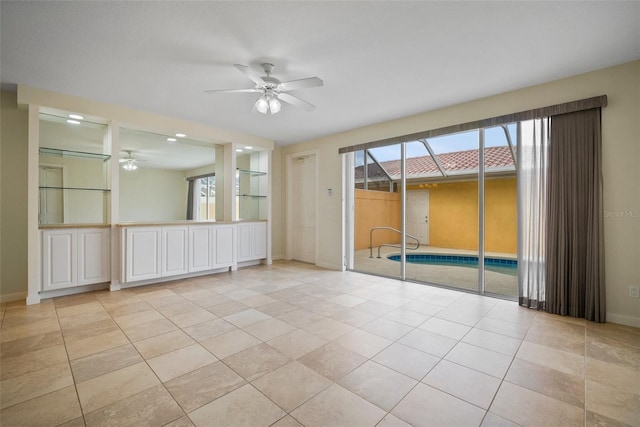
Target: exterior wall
<point>376,209</point>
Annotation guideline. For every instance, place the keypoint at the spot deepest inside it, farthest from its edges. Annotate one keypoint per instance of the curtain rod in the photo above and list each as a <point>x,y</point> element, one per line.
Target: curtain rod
<point>536,113</point>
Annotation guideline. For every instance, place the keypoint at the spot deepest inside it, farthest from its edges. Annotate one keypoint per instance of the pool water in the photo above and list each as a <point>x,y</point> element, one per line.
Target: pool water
<point>497,265</point>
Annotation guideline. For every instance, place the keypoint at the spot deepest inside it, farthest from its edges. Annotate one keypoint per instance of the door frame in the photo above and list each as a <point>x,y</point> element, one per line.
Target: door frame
<point>289,159</point>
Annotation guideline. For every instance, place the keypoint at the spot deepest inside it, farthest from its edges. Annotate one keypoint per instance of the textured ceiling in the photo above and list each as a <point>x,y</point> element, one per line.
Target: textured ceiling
<point>379,60</point>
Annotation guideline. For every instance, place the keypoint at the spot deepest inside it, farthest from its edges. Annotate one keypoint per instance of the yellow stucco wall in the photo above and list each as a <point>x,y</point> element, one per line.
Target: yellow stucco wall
<point>376,209</point>
<point>453,215</point>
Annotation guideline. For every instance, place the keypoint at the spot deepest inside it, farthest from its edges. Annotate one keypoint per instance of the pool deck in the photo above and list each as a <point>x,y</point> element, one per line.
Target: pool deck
<point>448,275</point>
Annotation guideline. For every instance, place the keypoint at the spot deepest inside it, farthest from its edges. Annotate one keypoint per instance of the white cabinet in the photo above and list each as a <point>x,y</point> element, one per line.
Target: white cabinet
<point>93,255</point>
<point>224,246</point>
<point>252,241</point>
<point>143,253</point>
<point>75,257</point>
<point>201,247</point>
<point>175,251</point>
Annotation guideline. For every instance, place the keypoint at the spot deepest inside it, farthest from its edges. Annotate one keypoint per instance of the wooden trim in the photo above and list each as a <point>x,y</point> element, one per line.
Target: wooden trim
<point>536,113</point>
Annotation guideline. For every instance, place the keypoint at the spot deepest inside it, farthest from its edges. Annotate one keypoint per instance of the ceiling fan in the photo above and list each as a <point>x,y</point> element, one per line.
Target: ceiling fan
<point>129,161</point>
<point>273,90</point>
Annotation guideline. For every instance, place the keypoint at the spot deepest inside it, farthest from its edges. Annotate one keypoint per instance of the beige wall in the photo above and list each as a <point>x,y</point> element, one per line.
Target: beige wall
<point>13,199</point>
<point>139,191</point>
<point>621,155</point>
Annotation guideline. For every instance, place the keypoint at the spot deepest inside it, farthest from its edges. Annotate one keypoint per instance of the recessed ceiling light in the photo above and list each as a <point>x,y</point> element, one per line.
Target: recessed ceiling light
<point>249,148</point>
<point>239,150</point>
<point>76,116</point>
<point>73,122</point>
<point>171,139</point>
<point>180,135</point>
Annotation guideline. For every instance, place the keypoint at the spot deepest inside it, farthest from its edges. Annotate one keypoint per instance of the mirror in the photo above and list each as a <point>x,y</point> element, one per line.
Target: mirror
<point>160,177</point>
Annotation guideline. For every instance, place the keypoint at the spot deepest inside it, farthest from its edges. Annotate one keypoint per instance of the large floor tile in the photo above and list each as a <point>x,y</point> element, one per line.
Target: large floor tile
<point>291,385</point>
<point>563,361</point>
<point>161,344</point>
<point>51,409</point>
<point>256,361</point>
<point>492,341</point>
<point>332,361</point>
<point>406,317</point>
<point>204,385</point>
<point>137,332</point>
<point>434,344</point>
<point>245,318</point>
<point>407,360</point>
<point>379,385</point>
<point>609,401</point>
<point>36,383</point>
<point>387,329</point>
<point>95,344</point>
<point>27,362</point>
<point>426,406</point>
<point>556,384</point>
<point>363,343</point>
<point>530,408</point>
<point>464,383</point>
<point>245,406</point>
<point>106,389</point>
<point>619,376</point>
<point>268,329</point>
<point>445,328</point>
<point>230,343</point>
<point>480,359</point>
<point>104,362</point>
<point>181,361</point>
<point>337,406</point>
<point>150,407</point>
<point>328,329</point>
<point>209,329</point>
<point>29,344</point>
<point>296,343</point>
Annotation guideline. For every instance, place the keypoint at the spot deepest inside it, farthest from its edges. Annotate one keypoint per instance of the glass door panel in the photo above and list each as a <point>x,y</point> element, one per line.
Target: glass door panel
<point>450,255</point>
<point>500,211</point>
<point>377,211</point>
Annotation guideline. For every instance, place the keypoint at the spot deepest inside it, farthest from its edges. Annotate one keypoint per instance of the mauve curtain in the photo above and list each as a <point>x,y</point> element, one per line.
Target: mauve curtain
<point>190,199</point>
<point>574,245</point>
<point>532,211</point>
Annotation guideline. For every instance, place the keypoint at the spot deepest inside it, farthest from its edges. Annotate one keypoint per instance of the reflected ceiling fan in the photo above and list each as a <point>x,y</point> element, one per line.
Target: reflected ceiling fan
<point>273,90</point>
<point>130,164</point>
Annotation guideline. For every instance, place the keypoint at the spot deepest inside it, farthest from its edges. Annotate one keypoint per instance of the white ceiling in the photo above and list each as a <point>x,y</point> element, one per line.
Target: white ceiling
<point>379,60</point>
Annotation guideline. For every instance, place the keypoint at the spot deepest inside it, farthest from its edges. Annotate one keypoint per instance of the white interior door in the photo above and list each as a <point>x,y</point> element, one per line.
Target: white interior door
<point>418,215</point>
<point>51,199</point>
<point>303,179</point>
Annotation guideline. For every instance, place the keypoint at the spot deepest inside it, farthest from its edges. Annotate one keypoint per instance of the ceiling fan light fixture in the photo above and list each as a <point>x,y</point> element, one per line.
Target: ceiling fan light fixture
<point>274,105</point>
<point>262,105</point>
<point>129,166</point>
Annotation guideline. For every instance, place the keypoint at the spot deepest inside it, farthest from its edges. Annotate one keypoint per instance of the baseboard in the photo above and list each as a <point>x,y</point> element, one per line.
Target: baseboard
<point>16,296</point>
<point>336,267</point>
<point>623,319</point>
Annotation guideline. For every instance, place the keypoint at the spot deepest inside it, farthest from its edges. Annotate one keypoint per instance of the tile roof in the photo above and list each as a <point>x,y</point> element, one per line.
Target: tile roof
<point>454,162</point>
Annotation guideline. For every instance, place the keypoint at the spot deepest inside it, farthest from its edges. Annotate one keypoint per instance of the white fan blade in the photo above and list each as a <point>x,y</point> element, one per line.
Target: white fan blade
<point>122,160</point>
<point>232,91</point>
<point>249,73</point>
<point>300,84</point>
<point>296,101</point>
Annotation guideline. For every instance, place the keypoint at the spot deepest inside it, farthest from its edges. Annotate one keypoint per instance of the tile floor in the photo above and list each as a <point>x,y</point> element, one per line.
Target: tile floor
<point>291,345</point>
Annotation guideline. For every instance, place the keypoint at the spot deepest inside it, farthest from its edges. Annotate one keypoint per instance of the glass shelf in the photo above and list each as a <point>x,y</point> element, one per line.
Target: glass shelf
<point>74,188</point>
<point>252,173</point>
<point>250,195</point>
<point>70,153</point>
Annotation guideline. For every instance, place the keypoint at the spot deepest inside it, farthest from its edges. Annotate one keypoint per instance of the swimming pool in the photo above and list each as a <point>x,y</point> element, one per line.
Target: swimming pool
<point>497,265</point>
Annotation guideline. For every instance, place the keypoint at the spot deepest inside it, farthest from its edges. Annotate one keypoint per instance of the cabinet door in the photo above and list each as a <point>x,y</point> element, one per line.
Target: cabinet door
<point>224,248</point>
<point>259,240</point>
<point>143,253</point>
<point>93,255</point>
<point>201,245</point>
<point>175,250</point>
<point>59,259</point>
<point>244,242</point>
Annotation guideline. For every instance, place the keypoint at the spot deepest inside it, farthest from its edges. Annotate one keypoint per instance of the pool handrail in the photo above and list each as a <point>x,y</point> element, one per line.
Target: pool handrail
<point>390,245</point>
